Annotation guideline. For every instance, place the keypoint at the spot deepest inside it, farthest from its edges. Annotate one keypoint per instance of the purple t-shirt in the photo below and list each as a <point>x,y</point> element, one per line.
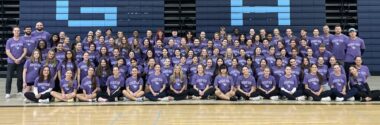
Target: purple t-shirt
<point>266,83</point>
<point>15,47</point>
<point>66,88</point>
<point>179,83</point>
<point>312,81</point>
<point>315,42</point>
<point>32,70</point>
<point>157,81</point>
<point>43,85</point>
<point>30,44</point>
<point>338,81</point>
<point>84,68</point>
<point>86,84</point>
<point>115,83</point>
<point>63,67</point>
<point>60,56</point>
<point>364,71</point>
<point>338,45</point>
<point>200,82</point>
<point>133,83</point>
<point>53,67</point>
<point>246,83</point>
<point>42,35</point>
<point>224,83</point>
<point>353,49</point>
<point>278,72</point>
<point>359,80</point>
<point>288,83</point>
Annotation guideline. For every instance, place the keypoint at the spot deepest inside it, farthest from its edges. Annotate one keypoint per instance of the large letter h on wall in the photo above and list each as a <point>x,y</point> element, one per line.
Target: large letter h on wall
<point>237,10</point>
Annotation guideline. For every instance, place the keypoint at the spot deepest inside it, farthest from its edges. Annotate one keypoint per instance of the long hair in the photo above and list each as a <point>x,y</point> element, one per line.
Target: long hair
<point>41,75</point>
<point>32,59</point>
<point>53,61</point>
<point>174,75</point>
<point>93,78</point>
<point>99,69</point>
<point>320,78</point>
<point>65,61</point>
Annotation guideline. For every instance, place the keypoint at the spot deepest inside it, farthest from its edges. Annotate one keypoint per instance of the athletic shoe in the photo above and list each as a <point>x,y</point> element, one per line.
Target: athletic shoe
<point>310,98</point>
<point>255,98</point>
<point>339,99</point>
<point>301,98</point>
<point>27,101</point>
<point>233,98</point>
<point>7,96</point>
<point>274,98</point>
<point>140,99</point>
<point>326,99</point>
<point>93,100</point>
<point>165,99</point>
<point>351,99</point>
<point>70,100</point>
<point>43,100</point>
<point>102,100</point>
<point>20,94</point>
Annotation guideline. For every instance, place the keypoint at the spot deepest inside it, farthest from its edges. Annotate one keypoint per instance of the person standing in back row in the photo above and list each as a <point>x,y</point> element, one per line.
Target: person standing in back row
<point>338,44</point>
<point>15,51</point>
<point>355,48</point>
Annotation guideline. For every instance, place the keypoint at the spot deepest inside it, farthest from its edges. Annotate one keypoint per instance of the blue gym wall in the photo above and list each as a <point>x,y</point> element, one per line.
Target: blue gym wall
<point>369,30</point>
<point>130,15</point>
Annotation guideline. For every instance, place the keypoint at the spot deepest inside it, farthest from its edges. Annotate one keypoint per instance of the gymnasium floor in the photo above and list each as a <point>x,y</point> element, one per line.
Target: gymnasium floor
<point>190,112</point>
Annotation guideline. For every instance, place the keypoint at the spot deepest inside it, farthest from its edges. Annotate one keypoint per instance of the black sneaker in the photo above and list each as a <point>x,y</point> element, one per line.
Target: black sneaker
<point>233,98</point>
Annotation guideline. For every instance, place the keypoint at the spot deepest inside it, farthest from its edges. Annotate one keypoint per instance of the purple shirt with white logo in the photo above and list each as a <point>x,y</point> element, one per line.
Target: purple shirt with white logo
<point>288,83</point>
<point>224,83</point>
<point>200,82</point>
<point>133,83</point>
<point>115,84</point>
<point>16,48</point>
<point>66,88</point>
<point>246,83</point>
<point>157,81</point>
<point>266,83</point>
<point>32,69</point>
<point>86,85</point>
<point>338,81</point>
<point>312,81</point>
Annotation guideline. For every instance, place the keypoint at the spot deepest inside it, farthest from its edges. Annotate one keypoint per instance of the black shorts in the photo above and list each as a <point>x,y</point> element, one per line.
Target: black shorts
<point>79,91</point>
<point>30,83</point>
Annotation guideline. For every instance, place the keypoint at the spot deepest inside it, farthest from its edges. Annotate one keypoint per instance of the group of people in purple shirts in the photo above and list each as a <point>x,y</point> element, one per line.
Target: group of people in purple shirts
<point>227,66</point>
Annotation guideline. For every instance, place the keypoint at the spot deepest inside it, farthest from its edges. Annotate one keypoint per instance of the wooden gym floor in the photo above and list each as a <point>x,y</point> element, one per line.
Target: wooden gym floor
<point>189,112</point>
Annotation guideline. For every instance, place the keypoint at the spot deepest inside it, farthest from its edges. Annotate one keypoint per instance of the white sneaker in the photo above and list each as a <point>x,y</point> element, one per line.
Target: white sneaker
<point>274,98</point>
<point>20,94</point>
<point>116,99</point>
<point>165,99</point>
<point>27,101</point>
<point>255,98</point>
<point>7,96</point>
<point>102,100</point>
<point>310,98</point>
<point>351,99</point>
<point>140,99</point>
<point>43,100</point>
<point>326,99</point>
<point>301,98</point>
<point>339,99</point>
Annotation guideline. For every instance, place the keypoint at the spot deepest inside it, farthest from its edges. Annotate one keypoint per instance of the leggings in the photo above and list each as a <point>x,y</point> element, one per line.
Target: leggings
<point>206,94</point>
<point>180,96</point>
<point>253,94</point>
<point>110,98</point>
<point>267,96</point>
<point>32,97</point>
<point>293,96</point>
<point>151,97</point>
<point>316,97</point>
